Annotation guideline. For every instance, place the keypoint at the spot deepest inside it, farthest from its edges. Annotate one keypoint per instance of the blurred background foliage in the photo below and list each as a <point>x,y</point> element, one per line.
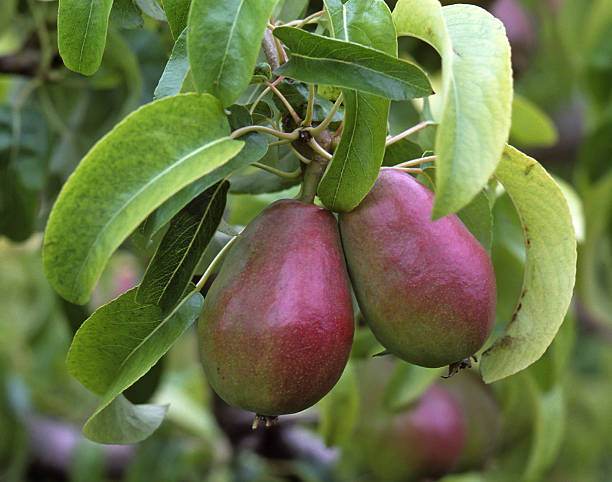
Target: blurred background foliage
<point>550,422</point>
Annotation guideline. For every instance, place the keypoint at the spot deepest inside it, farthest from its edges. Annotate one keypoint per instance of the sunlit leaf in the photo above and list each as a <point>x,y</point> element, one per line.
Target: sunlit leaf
<point>550,267</point>
<point>144,160</point>
<point>476,94</point>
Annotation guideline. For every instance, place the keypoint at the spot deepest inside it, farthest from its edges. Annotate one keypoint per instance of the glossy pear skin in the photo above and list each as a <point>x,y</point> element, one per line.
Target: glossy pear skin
<point>276,327</point>
<point>426,288</point>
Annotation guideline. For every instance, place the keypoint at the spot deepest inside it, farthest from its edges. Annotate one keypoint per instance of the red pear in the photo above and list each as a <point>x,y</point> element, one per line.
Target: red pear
<point>277,324</point>
<point>426,288</point>
<point>425,440</point>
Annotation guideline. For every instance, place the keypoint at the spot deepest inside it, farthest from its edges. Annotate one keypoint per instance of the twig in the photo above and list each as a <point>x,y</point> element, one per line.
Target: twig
<point>315,131</point>
<point>408,132</point>
<point>416,162</point>
<point>304,21</point>
<point>292,136</point>
<point>278,172</point>
<point>270,50</point>
<point>318,149</point>
<point>301,157</point>
<point>403,169</point>
<point>311,95</point>
<point>284,100</point>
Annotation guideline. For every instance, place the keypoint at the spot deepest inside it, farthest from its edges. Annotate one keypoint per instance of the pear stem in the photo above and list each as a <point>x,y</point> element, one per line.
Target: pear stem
<point>408,132</point>
<point>312,176</point>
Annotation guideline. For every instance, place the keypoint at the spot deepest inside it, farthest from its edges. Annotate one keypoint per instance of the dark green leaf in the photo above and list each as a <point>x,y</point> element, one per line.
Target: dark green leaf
<point>550,267</point>
<point>357,159</point>
<point>123,423</point>
<point>173,265</point>
<point>177,12</point>
<point>145,387</point>
<point>401,151</point>
<point>171,81</point>
<point>476,94</point>
<point>322,60</point>
<point>126,15</point>
<point>478,218</point>
<point>23,168</point>
<point>81,33</point>
<point>223,41</point>
<point>152,9</point>
<point>261,73</point>
<point>151,155</point>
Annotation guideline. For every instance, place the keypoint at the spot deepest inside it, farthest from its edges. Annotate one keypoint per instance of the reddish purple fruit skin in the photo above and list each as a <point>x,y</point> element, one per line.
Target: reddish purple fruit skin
<point>426,288</point>
<point>432,433</point>
<point>277,324</point>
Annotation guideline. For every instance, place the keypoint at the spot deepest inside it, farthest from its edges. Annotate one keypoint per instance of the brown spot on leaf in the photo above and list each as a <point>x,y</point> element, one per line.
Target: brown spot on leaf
<point>529,168</point>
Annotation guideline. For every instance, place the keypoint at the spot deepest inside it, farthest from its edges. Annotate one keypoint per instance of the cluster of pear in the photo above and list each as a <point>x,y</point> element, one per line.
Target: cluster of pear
<point>277,324</point>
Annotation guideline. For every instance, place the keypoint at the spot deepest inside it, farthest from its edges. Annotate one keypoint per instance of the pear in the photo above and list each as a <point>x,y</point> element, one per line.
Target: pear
<point>483,418</point>
<point>276,327</point>
<point>425,440</point>
<point>426,288</point>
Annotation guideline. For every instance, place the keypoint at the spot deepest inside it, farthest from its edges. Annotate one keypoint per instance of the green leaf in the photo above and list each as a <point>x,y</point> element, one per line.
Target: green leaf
<point>550,267</point>
<point>177,12</point>
<point>322,60</point>
<point>548,432</point>
<point>339,409</point>
<point>223,41</point>
<point>173,265</point>
<point>126,15</point>
<point>476,94</point>
<point>152,9</point>
<point>287,10</point>
<point>258,181</point>
<point>595,274</point>
<point>401,151</point>
<point>145,159</point>
<point>531,127</point>
<point>171,80</point>
<point>121,341</point>
<point>81,33</point>
<point>24,141</point>
<point>254,149</point>
<point>478,218</point>
<point>407,383</point>
<point>575,206</point>
<point>124,423</point>
<point>354,167</point>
